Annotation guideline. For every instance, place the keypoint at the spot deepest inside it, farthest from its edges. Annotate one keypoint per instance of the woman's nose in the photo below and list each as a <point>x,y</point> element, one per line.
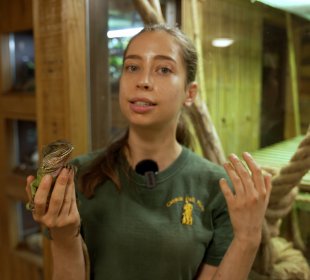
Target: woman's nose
<point>144,85</point>
<point>145,82</point>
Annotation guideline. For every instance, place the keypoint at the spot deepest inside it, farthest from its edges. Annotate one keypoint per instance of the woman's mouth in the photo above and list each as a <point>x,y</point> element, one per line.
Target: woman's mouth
<point>141,105</point>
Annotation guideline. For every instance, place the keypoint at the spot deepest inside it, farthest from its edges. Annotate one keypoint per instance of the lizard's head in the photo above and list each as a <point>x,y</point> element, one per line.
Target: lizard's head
<point>55,155</point>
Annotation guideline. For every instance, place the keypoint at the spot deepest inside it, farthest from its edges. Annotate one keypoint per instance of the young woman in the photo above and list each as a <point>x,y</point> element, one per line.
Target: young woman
<point>179,228</point>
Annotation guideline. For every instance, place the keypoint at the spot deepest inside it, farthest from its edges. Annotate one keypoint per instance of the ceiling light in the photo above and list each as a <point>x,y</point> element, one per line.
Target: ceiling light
<point>128,32</point>
<point>222,42</point>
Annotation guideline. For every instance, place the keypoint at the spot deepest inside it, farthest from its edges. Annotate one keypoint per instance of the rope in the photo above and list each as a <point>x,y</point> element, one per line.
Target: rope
<point>286,262</point>
<point>285,181</point>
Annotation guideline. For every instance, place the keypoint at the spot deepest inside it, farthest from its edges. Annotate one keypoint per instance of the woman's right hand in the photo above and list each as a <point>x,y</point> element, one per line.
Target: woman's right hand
<point>59,213</point>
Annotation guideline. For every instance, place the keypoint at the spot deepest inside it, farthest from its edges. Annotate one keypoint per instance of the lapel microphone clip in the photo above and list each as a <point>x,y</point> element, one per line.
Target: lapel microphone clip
<point>148,168</point>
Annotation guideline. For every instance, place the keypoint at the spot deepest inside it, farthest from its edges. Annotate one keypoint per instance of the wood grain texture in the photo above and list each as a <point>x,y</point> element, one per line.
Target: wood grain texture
<point>61,82</point>
<point>101,102</point>
<point>15,15</point>
<point>18,106</point>
<point>232,75</point>
<point>61,72</point>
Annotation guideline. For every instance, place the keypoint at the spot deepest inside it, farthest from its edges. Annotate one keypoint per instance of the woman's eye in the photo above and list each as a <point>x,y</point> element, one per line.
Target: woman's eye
<point>164,70</point>
<point>131,68</point>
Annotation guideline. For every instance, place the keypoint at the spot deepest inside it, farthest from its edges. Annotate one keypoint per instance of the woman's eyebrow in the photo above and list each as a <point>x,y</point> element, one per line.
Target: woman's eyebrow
<point>164,57</point>
<point>133,56</point>
<point>157,57</point>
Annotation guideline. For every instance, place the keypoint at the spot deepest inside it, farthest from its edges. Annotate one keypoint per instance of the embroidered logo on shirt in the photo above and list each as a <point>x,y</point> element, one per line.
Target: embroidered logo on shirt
<point>187,216</point>
<point>188,206</point>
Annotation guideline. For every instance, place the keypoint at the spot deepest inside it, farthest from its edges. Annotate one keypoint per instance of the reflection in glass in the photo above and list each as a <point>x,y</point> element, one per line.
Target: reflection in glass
<point>22,61</point>
<point>25,146</point>
<point>124,22</point>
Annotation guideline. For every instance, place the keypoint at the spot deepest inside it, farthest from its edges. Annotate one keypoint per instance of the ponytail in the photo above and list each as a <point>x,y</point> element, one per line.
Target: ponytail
<point>104,167</point>
<point>183,134</point>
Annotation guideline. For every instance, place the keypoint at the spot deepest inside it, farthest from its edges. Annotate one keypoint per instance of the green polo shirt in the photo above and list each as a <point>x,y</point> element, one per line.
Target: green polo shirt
<point>165,232</point>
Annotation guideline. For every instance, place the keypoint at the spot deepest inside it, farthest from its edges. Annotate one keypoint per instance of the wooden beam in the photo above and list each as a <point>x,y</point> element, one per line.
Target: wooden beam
<point>100,97</point>
<point>61,81</point>
<point>15,15</point>
<point>293,73</point>
<point>18,106</point>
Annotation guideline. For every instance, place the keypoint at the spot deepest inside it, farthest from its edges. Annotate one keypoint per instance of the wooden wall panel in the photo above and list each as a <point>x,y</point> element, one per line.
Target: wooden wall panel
<point>235,97</point>
<point>233,74</point>
<point>15,15</point>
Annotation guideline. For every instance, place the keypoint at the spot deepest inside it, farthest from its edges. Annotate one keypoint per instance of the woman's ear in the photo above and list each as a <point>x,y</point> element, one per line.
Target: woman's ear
<point>191,94</point>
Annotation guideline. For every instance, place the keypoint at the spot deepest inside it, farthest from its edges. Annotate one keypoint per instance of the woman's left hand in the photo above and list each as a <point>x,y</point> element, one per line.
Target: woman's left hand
<point>248,203</point>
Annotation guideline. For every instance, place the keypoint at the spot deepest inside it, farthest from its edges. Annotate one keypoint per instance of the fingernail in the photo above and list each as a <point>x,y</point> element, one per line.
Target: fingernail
<point>247,154</point>
<point>234,156</point>
<point>222,180</point>
<point>65,171</point>
<point>29,179</point>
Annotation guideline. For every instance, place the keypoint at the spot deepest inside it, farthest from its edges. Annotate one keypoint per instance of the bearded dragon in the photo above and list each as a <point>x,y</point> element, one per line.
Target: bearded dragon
<point>55,156</point>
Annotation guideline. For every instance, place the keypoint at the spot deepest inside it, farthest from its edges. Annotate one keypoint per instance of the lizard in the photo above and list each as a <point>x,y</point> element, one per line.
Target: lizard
<point>55,156</point>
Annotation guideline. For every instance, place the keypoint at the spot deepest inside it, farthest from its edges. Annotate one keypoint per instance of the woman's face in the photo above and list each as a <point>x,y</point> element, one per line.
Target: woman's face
<point>152,86</point>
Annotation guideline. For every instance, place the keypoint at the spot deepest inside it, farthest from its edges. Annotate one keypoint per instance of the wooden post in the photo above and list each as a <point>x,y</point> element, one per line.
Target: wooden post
<point>205,130</point>
<point>293,73</point>
<point>60,44</point>
<point>197,41</point>
<point>61,85</point>
<point>100,97</point>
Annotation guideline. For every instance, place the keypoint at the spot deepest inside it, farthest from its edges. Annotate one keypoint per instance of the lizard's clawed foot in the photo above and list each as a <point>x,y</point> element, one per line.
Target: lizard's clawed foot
<point>70,166</point>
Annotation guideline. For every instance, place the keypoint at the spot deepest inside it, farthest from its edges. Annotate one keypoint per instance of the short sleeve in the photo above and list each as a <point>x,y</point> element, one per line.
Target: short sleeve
<point>222,231</point>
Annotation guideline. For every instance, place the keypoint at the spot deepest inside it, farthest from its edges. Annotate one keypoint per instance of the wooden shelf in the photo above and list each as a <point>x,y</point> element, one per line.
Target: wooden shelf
<point>18,105</point>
